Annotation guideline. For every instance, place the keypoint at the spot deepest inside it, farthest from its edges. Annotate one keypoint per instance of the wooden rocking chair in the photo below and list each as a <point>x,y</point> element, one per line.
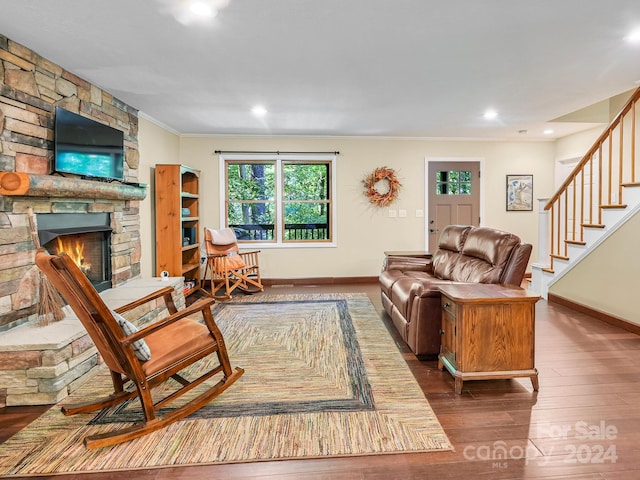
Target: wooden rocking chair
<point>228,267</point>
<point>174,343</point>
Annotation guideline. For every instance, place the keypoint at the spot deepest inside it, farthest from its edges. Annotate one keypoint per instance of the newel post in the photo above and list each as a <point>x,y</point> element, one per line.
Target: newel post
<point>543,233</point>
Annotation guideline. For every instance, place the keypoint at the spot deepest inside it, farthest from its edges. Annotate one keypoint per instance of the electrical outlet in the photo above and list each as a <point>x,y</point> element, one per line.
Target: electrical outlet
<point>420,213</point>
<point>393,213</point>
<point>402,213</point>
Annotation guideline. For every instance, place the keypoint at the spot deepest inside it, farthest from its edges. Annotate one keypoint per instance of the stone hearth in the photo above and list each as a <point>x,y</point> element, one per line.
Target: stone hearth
<point>42,365</point>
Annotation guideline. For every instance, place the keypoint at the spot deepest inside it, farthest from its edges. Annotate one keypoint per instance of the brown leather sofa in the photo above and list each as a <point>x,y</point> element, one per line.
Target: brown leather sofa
<point>465,254</point>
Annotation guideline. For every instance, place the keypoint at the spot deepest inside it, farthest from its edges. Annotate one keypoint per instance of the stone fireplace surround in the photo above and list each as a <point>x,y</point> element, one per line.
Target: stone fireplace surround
<point>41,365</point>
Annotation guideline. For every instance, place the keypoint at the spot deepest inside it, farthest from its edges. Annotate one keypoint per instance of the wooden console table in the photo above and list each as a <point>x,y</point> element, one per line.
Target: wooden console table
<point>488,332</point>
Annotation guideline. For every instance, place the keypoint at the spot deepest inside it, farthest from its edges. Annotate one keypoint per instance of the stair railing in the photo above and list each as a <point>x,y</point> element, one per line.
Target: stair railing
<point>595,184</point>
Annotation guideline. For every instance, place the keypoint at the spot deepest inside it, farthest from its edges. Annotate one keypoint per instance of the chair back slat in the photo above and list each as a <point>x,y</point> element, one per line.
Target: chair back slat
<point>88,306</point>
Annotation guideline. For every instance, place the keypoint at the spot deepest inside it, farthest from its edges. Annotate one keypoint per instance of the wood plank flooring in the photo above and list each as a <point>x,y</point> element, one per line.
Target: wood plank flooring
<point>584,423</point>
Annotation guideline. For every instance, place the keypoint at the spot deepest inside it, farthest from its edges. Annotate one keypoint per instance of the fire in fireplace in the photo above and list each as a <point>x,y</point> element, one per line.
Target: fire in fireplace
<point>85,237</point>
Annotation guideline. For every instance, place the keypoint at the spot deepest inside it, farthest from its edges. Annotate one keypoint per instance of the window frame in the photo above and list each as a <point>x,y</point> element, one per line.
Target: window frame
<point>279,159</point>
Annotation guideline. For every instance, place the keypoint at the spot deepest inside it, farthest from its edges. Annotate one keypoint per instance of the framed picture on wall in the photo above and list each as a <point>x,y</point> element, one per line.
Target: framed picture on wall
<point>519,193</point>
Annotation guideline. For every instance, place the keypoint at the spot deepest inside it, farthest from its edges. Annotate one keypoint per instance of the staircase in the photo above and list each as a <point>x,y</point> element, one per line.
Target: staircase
<point>601,193</point>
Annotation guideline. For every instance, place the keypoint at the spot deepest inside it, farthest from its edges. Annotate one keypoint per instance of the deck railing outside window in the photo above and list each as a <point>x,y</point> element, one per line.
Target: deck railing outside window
<point>292,231</point>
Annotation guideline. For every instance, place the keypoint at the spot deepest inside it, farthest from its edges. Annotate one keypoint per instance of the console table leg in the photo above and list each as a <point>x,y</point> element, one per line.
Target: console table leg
<point>534,382</point>
<point>458,386</point>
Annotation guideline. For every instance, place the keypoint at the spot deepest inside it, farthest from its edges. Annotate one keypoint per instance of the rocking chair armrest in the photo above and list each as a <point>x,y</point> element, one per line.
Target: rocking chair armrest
<point>174,317</point>
<point>163,292</point>
<point>249,252</point>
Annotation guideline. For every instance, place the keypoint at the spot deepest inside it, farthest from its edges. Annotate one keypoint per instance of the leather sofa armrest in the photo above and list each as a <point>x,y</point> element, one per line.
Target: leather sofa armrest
<point>408,263</point>
<point>517,266</point>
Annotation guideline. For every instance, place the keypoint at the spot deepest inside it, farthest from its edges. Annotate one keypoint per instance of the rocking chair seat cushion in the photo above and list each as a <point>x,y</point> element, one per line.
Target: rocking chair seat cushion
<point>234,262</point>
<point>175,342</point>
<point>140,347</point>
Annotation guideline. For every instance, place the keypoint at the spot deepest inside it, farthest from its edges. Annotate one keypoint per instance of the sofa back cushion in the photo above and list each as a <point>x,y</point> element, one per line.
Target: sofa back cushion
<point>484,256</point>
<point>450,245</point>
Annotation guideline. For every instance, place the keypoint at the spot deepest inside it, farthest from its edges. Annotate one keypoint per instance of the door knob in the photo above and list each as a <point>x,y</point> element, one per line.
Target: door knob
<point>433,230</point>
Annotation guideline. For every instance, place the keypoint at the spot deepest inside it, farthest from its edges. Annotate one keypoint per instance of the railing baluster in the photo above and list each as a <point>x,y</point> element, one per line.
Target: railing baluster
<point>573,208</point>
<point>610,168</point>
<point>620,158</point>
<point>633,143</point>
<point>582,200</point>
<point>598,209</point>
<point>590,189</point>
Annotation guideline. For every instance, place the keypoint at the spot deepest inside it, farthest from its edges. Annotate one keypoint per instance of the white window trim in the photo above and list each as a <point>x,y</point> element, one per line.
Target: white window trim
<point>279,158</point>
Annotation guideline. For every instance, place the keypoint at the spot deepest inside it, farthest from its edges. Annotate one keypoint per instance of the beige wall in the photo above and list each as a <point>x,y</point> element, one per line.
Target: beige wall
<point>364,232</point>
<point>157,145</point>
<point>607,278</point>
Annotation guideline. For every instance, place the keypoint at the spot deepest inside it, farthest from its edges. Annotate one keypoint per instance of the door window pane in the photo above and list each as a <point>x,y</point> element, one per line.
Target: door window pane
<point>453,183</point>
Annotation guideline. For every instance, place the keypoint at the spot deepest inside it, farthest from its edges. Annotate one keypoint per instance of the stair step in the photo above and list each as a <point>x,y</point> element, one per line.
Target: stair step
<point>593,225</point>
<point>575,242</point>
<point>559,257</point>
<point>614,205</point>
<point>548,270</point>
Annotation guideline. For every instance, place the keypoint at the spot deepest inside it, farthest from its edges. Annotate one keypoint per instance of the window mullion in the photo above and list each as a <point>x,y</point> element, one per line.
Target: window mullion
<point>279,201</point>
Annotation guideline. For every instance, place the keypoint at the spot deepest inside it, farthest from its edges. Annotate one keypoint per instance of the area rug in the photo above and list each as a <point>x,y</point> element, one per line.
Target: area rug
<point>323,378</point>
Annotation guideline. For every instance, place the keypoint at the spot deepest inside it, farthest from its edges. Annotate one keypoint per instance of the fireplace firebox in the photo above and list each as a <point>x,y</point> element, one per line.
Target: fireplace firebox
<point>85,237</point>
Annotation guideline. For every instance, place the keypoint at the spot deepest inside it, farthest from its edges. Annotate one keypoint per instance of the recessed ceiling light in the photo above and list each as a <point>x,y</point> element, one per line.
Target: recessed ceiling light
<point>634,36</point>
<point>259,111</point>
<point>548,131</point>
<point>202,9</point>
<point>490,114</point>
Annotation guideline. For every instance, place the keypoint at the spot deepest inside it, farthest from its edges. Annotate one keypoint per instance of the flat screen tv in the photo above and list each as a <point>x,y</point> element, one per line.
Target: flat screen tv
<point>86,147</point>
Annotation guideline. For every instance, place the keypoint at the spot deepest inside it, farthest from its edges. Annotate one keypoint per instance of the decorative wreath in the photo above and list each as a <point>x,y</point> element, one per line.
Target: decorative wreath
<point>378,175</point>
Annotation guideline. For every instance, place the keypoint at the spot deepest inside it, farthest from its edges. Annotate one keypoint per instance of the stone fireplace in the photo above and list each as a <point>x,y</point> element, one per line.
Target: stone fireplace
<point>41,365</point>
<point>50,361</point>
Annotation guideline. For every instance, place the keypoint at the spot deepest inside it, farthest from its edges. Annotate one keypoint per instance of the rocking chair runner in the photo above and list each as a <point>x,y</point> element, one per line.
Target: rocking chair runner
<point>228,267</point>
<point>175,343</point>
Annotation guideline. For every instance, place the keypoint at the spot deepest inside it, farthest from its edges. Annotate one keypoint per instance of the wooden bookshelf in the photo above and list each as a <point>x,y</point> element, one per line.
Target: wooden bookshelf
<point>178,223</point>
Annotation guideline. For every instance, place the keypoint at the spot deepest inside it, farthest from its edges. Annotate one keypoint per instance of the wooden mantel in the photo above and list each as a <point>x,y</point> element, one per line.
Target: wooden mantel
<point>30,185</point>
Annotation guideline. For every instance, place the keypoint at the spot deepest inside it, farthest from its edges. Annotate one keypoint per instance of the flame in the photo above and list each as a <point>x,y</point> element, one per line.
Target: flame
<point>75,249</point>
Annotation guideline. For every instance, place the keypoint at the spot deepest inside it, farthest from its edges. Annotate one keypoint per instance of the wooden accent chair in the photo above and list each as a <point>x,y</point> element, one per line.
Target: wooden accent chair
<point>229,268</point>
<point>174,343</point>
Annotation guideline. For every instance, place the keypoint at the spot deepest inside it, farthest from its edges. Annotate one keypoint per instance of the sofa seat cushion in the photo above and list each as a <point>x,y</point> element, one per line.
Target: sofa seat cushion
<point>406,290</point>
<point>387,278</point>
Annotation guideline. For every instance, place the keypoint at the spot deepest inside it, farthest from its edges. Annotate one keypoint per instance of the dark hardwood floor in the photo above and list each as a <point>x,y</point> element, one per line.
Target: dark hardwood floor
<point>584,423</point>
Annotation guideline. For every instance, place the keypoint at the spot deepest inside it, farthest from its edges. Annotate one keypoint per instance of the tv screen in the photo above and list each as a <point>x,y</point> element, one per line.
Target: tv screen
<point>87,147</point>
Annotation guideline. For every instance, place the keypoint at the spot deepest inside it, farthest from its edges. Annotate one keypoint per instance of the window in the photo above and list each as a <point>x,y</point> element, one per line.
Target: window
<point>453,183</point>
<point>279,199</point>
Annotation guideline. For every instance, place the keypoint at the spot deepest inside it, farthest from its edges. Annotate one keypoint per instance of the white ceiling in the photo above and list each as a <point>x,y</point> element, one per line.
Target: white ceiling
<point>406,68</point>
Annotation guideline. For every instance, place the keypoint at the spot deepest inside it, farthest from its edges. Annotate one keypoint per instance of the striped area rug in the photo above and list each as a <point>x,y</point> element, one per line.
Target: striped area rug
<point>323,379</point>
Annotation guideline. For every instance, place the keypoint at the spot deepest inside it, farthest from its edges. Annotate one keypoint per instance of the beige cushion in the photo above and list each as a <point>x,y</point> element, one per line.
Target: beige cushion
<point>224,236</point>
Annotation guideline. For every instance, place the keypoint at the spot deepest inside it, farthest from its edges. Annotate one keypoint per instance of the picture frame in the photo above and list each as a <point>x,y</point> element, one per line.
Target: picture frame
<point>519,193</point>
